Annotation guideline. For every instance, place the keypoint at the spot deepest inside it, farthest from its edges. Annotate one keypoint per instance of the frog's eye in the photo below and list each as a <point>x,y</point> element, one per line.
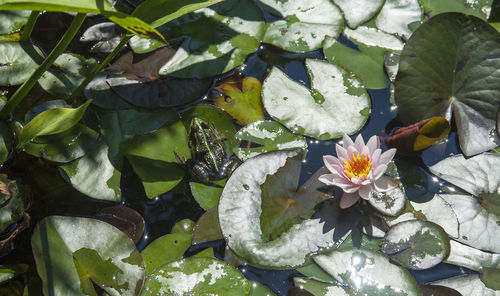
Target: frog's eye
<point>228,99</point>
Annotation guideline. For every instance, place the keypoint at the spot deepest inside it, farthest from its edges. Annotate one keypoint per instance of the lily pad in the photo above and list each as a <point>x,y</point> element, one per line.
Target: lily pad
<point>183,226</point>
<point>128,220</point>
<point>302,26</point>
<point>12,209</point>
<point>478,8</point>
<point>396,15</point>
<point>6,141</point>
<point>103,96</point>
<point>165,249</point>
<point>243,103</point>
<point>490,277</point>
<point>104,34</point>
<point>252,213</point>
<point>374,37</point>
<point>359,270</point>
<point>9,271</point>
<point>18,60</point>
<point>206,196</point>
<point>416,244</point>
<point>357,12</point>
<point>196,276</point>
<point>391,202</point>
<point>443,68</point>
<point>367,62</point>
<point>71,258</point>
<point>336,103</point>
<point>437,210</point>
<point>207,227</point>
<point>470,285</point>
<point>13,20</point>
<point>216,39</point>
<point>474,259</point>
<point>258,289</point>
<point>271,136</point>
<point>318,288</point>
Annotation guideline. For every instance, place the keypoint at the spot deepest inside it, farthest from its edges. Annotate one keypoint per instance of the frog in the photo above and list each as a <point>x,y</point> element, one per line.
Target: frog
<point>210,159</point>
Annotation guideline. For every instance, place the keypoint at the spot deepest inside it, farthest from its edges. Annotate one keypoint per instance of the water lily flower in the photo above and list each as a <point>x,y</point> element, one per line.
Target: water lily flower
<point>358,169</point>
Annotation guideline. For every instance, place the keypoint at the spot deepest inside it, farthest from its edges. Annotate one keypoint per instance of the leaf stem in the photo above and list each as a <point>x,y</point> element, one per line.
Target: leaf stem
<point>28,27</point>
<point>100,67</point>
<point>24,89</point>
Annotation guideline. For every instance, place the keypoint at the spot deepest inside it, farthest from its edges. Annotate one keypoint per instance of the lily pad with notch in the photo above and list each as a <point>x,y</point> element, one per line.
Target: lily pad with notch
<point>18,60</point>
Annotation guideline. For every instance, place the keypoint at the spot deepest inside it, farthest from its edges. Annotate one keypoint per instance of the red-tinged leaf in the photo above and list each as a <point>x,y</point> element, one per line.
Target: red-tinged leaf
<point>420,135</point>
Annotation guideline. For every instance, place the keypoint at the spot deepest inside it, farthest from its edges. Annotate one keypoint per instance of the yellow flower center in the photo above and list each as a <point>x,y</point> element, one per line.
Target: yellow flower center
<point>357,166</point>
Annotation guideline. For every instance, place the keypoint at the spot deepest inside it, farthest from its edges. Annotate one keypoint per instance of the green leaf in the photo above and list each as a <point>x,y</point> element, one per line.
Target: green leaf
<point>132,24</point>
<point>301,25</point>
<point>105,35</point>
<point>396,16</point>
<point>491,278</point>
<point>183,226</point>
<point>243,103</point>
<point>357,12</point>
<point>160,12</point>
<point>9,271</point>
<point>367,62</point>
<point>206,196</point>
<point>318,288</point>
<point>439,211</point>
<point>13,211</point>
<point>315,272</point>
<point>70,256</point>
<point>66,74</point>
<point>18,60</point>
<point>50,122</point>
<point>152,157</point>
<point>6,141</point>
<point>478,8</point>
<point>95,174</point>
<point>478,176</point>
<point>243,212</point>
<point>442,69</point>
<point>12,20</point>
<point>416,244</point>
<point>435,290</point>
<point>337,103</point>
<point>392,202</point>
<point>165,249</point>
<point>471,258</point>
<point>359,271</point>
<point>196,276</point>
<point>216,39</point>
<point>470,285</point>
<point>271,136</point>
<point>207,227</point>
<point>258,289</point>
<point>374,37</point>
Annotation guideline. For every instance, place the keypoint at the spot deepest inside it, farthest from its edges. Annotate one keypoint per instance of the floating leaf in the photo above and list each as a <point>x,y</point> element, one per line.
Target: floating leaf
<point>420,135</point>
<point>103,96</point>
<point>435,290</point>
<point>470,285</point>
<point>128,220</point>
<point>357,12</point>
<point>443,68</point>
<point>258,289</point>
<point>302,25</point>
<point>336,103</point>
<point>196,276</point>
<point>315,272</point>
<point>437,210</point>
<point>359,271</point>
<point>6,141</point>
<point>318,288</point>
<point>374,37</point>
<point>247,225</point>
<point>66,74</point>
<point>396,16</point>
<point>9,271</point>
<point>366,62</point>
<point>216,39</point>
<point>207,227</point>
<point>391,202</point>
<point>13,20</point>
<point>165,249</point>
<point>106,36</point>
<point>50,122</point>
<point>71,258</point>
<point>271,135</point>
<point>416,244</point>
<point>491,278</point>
<point>183,226</point>
<point>13,203</point>
<point>478,8</point>
<point>243,104</point>
<point>474,259</point>
<point>206,196</point>
<point>17,62</point>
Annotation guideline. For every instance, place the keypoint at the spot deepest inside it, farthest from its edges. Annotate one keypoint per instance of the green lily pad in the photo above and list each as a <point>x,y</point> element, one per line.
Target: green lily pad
<point>374,37</point>
<point>103,96</point>
<point>17,62</point>
<point>6,141</point>
<point>66,74</point>
<point>435,290</point>
<point>50,122</point>
<point>94,174</point>
<point>474,259</point>
<point>437,210</point>
<point>318,288</point>
<point>302,26</point>
<point>206,196</point>
<point>196,276</point>
<point>442,69</point>
<point>71,258</point>
<point>165,249</point>
<point>64,147</point>
<point>367,62</point>
<point>258,289</point>
<point>359,270</point>
<point>216,39</point>
<point>490,277</point>
<point>396,15</point>
<point>257,204</point>
<point>13,211</point>
<point>243,104</point>
<point>416,244</point>
<point>271,136</point>
<point>207,227</point>
<point>9,271</point>
<point>313,271</point>
<point>390,203</point>
<point>336,104</point>
<point>104,34</point>
<point>478,8</point>
<point>13,20</point>
<point>470,285</point>
<point>357,12</point>
<point>183,226</point>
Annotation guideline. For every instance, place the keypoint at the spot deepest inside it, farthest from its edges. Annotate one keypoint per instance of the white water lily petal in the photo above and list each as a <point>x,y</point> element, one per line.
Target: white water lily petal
<point>365,192</point>
<point>348,199</point>
<point>373,144</point>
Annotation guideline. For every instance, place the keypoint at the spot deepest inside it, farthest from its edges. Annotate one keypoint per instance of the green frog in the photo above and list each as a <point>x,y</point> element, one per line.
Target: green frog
<point>210,160</point>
